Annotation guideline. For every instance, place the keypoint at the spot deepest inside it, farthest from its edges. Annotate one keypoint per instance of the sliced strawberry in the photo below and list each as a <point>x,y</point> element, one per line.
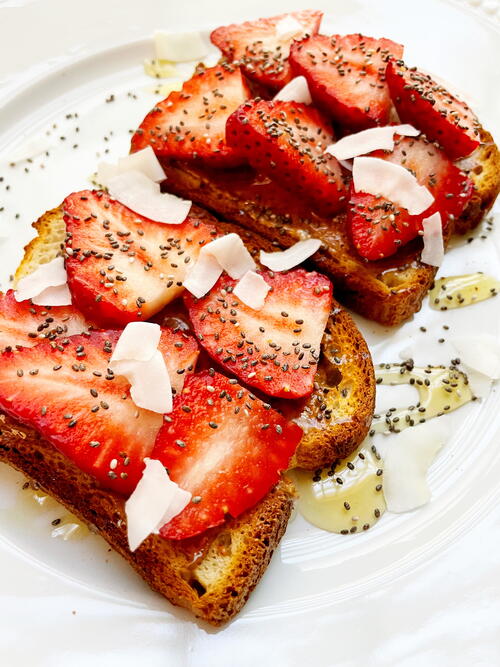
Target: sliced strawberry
<point>378,227</point>
<point>259,48</point>
<point>287,141</point>
<point>24,324</point>
<point>67,393</point>
<point>276,348</point>
<point>191,123</point>
<point>226,447</point>
<point>122,266</point>
<point>433,110</point>
<point>346,76</point>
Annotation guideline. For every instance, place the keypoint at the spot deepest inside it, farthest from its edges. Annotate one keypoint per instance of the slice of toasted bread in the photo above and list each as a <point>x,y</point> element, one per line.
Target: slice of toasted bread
<point>211,575</point>
<point>388,291</point>
<point>337,416</point>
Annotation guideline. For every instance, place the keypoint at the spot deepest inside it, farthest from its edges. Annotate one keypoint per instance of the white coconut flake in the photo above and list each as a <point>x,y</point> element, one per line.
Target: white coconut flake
<point>36,285</point>
<point>433,252</point>
<point>144,161</point>
<point>481,352</point>
<point>203,275</point>
<point>180,47</point>
<point>288,27</point>
<point>252,289</point>
<point>391,181</point>
<point>155,501</point>
<point>296,90</point>
<point>136,357</point>
<point>227,253</point>
<point>293,256</point>
<point>150,386</point>
<point>53,296</point>
<point>366,141</point>
<point>232,255</point>
<point>142,195</point>
<point>138,342</point>
<point>407,458</point>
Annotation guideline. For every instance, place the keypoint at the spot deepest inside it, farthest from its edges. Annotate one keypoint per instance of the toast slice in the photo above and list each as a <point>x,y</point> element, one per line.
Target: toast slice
<point>212,575</point>
<point>337,416</point>
<point>388,291</point>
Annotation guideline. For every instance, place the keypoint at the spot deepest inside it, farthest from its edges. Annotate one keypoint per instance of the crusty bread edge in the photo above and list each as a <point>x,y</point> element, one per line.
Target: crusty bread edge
<point>157,560</point>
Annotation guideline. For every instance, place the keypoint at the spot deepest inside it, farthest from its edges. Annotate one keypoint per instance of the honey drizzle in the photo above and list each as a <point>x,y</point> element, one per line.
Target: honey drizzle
<point>460,291</point>
<point>348,497</point>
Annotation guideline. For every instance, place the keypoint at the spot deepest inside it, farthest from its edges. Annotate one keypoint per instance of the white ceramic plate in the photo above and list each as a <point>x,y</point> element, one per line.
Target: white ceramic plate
<point>420,588</point>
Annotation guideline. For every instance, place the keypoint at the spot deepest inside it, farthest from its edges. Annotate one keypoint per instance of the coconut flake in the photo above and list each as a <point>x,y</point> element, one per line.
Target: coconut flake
<point>406,461</point>
<point>53,296</point>
<point>136,357</point>
<point>203,275</point>
<point>296,90</point>
<point>180,47</point>
<point>140,194</point>
<point>433,252</point>
<point>144,161</point>
<point>232,255</point>
<point>288,27</point>
<point>150,386</point>
<point>252,289</point>
<point>391,181</point>
<point>287,259</point>
<point>227,253</point>
<point>480,352</point>
<point>138,342</point>
<point>366,141</point>
<point>37,285</point>
<point>154,502</point>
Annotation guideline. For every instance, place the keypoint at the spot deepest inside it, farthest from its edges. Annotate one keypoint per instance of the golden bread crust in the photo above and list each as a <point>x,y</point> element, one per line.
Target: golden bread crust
<point>212,575</point>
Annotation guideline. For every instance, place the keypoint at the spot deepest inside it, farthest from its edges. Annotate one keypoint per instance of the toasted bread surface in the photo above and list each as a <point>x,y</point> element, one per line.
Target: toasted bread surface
<point>483,168</point>
<point>48,244</point>
<point>388,291</point>
<point>211,575</point>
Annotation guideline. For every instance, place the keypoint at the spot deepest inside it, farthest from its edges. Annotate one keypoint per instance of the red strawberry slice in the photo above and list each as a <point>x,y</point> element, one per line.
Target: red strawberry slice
<point>378,227</point>
<point>346,76</point>
<point>259,48</point>
<point>275,349</point>
<point>122,266</point>
<point>191,123</point>
<point>24,324</point>
<point>226,447</point>
<point>67,393</point>
<point>287,141</point>
<point>433,110</point>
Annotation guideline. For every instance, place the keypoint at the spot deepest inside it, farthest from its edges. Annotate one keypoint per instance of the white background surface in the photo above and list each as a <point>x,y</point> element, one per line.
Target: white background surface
<point>423,589</point>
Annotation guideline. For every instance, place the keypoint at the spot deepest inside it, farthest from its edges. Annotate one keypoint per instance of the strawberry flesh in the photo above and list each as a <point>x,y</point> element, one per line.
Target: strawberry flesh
<point>378,227</point>
<point>346,76</point>
<point>259,49</point>
<point>287,142</point>
<point>67,393</point>
<point>124,267</point>
<point>433,110</point>
<point>224,446</point>
<point>275,349</point>
<point>191,123</point>
<point>24,324</point>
